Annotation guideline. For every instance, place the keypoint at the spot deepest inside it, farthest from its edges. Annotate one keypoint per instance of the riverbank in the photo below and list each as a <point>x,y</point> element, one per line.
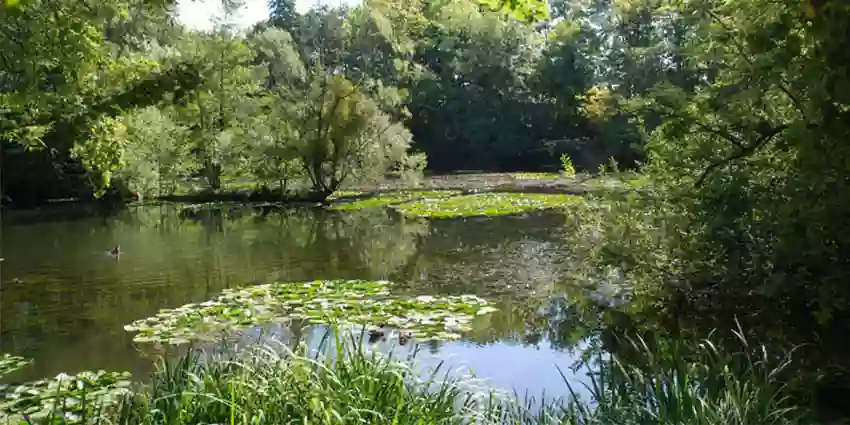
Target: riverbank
<point>271,383</point>
<point>248,192</point>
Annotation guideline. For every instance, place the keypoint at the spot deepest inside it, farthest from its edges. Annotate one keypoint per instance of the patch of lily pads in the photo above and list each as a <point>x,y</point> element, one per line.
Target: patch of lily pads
<point>487,204</point>
<point>393,198</point>
<point>338,302</point>
<point>536,176</point>
<point>67,399</point>
<point>339,194</point>
<point>10,363</point>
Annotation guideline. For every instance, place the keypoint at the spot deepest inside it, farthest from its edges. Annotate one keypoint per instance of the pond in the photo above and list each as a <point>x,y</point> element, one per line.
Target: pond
<point>64,302</point>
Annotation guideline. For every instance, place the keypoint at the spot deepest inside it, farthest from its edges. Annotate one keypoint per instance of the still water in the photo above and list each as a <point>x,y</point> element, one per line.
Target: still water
<point>64,301</point>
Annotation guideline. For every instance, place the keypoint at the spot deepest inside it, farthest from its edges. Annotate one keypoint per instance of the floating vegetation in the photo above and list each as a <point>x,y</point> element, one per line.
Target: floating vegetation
<point>486,204</point>
<point>391,198</point>
<point>536,176</point>
<point>67,399</point>
<point>10,363</point>
<point>320,302</point>
<point>346,194</point>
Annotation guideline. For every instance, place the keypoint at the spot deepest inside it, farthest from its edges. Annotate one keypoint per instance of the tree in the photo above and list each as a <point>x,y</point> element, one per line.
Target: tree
<point>341,132</point>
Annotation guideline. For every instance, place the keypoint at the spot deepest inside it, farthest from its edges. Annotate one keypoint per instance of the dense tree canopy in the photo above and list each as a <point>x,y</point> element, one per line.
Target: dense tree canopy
<point>736,111</point>
<point>94,93</point>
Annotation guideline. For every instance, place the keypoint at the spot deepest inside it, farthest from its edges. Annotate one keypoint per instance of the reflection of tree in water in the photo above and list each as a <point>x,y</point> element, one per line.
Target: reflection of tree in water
<point>367,244</point>
<point>79,300</point>
<point>519,261</point>
<point>488,256</point>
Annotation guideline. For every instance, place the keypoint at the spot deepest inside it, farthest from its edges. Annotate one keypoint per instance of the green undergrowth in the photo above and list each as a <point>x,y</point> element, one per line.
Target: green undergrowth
<point>392,198</point>
<point>345,382</point>
<point>320,302</point>
<point>273,385</point>
<point>487,204</point>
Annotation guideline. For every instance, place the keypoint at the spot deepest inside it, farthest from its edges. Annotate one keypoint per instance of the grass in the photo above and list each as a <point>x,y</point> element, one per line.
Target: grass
<point>486,204</point>
<point>662,382</point>
<point>392,198</point>
<point>264,385</point>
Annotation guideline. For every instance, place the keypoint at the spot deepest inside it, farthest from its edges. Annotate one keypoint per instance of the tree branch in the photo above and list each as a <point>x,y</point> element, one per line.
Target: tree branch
<point>742,52</point>
<point>744,152</point>
<point>722,133</point>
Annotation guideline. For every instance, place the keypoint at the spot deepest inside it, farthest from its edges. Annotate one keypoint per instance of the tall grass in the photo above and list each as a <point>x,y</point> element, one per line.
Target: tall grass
<point>672,382</point>
<point>645,382</point>
<point>275,385</point>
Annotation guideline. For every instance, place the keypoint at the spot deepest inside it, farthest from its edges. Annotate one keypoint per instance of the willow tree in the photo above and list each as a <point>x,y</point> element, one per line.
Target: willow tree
<point>340,132</point>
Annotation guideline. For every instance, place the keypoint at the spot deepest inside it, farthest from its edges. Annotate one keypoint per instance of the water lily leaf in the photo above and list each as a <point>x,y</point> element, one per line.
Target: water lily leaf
<point>486,310</point>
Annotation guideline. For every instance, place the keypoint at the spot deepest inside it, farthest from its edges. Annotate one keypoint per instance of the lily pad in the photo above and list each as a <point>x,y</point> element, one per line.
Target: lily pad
<point>321,302</point>
<point>71,397</point>
<point>392,198</point>
<point>10,363</point>
<point>487,204</point>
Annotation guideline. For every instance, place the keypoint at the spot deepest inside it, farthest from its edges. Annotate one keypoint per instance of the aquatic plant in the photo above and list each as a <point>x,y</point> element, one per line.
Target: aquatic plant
<point>666,382</point>
<point>486,204</point>
<point>535,176</point>
<point>10,363</point>
<point>346,194</point>
<point>392,198</point>
<point>567,168</point>
<point>272,384</point>
<point>66,399</point>
<point>672,382</point>
<point>643,382</point>
<point>319,302</point>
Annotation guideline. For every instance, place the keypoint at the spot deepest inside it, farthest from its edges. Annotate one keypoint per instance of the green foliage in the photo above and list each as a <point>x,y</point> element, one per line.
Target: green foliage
<point>567,168</point>
<point>328,302</point>
<point>486,204</point>
<point>159,153</point>
<point>739,212</point>
<point>275,385</point>
<point>676,382</point>
<point>641,381</point>
<point>339,132</point>
<point>526,10</point>
<point>319,99</point>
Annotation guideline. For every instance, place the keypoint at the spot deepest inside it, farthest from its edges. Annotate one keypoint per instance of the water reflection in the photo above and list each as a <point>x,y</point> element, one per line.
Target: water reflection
<point>64,303</point>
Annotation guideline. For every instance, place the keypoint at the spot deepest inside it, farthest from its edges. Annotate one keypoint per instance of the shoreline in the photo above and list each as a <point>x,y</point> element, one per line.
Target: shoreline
<point>466,182</point>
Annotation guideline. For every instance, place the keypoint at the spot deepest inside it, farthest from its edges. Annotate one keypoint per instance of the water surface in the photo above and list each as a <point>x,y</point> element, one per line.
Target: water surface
<point>64,301</point>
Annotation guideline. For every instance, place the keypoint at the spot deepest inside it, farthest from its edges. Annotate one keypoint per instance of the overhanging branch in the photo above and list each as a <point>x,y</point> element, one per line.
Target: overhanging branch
<point>742,153</point>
